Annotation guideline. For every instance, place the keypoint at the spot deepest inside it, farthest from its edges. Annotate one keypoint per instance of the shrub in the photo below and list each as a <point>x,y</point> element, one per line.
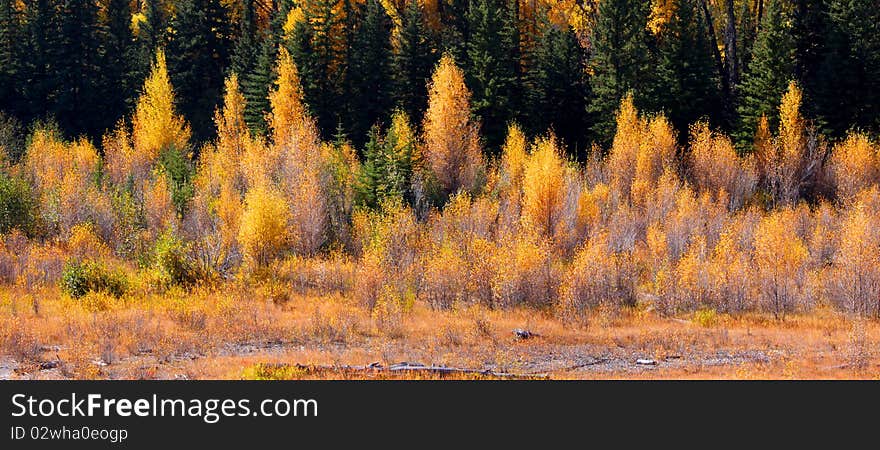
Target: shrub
<point>17,205</point>
<point>598,275</point>
<point>854,165</point>
<point>171,263</point>
<point>81,277</point>
<point>12,140</point>
<point>706,318</point>
<point>263,230</point>
<point>179,173</point>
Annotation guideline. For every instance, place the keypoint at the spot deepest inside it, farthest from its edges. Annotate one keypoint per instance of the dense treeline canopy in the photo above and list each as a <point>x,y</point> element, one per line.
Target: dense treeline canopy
<point>547,64</point>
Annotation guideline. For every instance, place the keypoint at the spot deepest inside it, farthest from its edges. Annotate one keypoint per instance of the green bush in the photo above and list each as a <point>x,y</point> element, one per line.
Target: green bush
<point>179,172</point>
<point>81,277</point>
<point>17,205</point>
<point>171,264</point>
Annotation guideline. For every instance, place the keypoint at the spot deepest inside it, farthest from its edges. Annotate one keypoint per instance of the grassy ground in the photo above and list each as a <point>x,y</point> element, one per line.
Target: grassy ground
<point>254,332</point>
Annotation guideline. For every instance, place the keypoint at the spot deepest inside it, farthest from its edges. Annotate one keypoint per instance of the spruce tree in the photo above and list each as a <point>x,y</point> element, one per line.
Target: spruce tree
<point>119,84</point>
<point>809,31</point>
<point>369,178</point>
<point>369,72</point>
<point>10,34</point>
<point>316,45</point>
<point>687,87</point>
<point>849,80</point>
<point>39,79</point>
<point>620,61</point>
<point>257,81</point>
<point>151,36</point>
<point>77,69</point>
<point>197,56</point>
<point>492,67</point>
<point>247,43</point>
<point>558,87</point>
<point>413,62</point>
<point>768,74</point>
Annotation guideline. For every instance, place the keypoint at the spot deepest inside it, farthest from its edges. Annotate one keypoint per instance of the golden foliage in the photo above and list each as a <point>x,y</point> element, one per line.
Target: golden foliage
<point>156,125</point>
<point>543,187</point>
<point>780,258</point>
<point>856,271</point>
<point>598,276</point>
<point>855,165</point>
<point>641,152</point>
<point>290,123</point>
<point>451,137</point>
<point>264,231</point>
<point>718,169</point>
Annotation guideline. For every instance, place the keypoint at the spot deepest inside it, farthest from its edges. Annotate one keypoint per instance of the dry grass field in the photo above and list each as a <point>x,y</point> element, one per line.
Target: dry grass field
<point>247,332</point>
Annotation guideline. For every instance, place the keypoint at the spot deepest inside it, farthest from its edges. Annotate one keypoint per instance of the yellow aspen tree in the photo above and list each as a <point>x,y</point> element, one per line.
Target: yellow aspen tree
<point>62,175</point>
<point>856,269</point>
<point>264,233</point>
<point>289,120</point>
<point>779,259</point>
<point>156,125</point>
<point>855,165</point>
<point>716,167</point>
<point>625,147</point>
<point>232,131</point>
<point>513,157</point>
<point>795,156</point>
<point>295,161</point>
<point>655,155</point>
<point>451,137</point>
<point>543,187</point>
<point>508,177</point>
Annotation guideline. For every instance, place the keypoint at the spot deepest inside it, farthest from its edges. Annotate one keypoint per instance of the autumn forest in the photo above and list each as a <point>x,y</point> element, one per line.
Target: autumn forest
<point>295,189</point>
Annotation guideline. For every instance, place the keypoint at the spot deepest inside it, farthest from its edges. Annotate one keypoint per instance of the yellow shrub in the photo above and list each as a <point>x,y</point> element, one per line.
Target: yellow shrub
<point>855,165</point>
<point>543,187</point>
<point>263,232</point>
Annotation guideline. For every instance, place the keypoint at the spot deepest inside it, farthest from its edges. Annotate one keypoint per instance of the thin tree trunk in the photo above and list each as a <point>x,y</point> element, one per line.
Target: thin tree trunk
<point>730,47</point>
<point>719,62</point>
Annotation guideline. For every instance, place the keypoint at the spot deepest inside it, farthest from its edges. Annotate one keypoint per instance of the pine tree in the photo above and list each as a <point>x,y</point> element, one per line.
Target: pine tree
<point>620,60</point>
<point>197,55</point>
<point>10,34</point>
<point>558,87</point>
<point>850,75</point>
<point>257,82</point>
<point>317,45</point>
<point>77,70</point>
<point>151,36</point>
<point>809,31</point>
<point>388,165</point>
<point>118,82</point>
<point>369,178</point>
<point>413,61</point>
<point>246,48</point>
<point>39,80</point>
<point>687,86</point>
<point>455,31</point>
<point>493,67</point>
<point>768,75</point>
<point>369,72</point>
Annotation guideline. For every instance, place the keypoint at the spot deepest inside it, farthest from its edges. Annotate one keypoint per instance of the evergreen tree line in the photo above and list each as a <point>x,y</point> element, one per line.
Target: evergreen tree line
<point>80,63</point>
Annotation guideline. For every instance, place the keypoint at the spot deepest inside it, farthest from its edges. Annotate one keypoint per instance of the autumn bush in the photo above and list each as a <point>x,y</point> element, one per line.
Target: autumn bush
<point>17,205</point>
<point>82,277</point>
<point>264,231</point>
